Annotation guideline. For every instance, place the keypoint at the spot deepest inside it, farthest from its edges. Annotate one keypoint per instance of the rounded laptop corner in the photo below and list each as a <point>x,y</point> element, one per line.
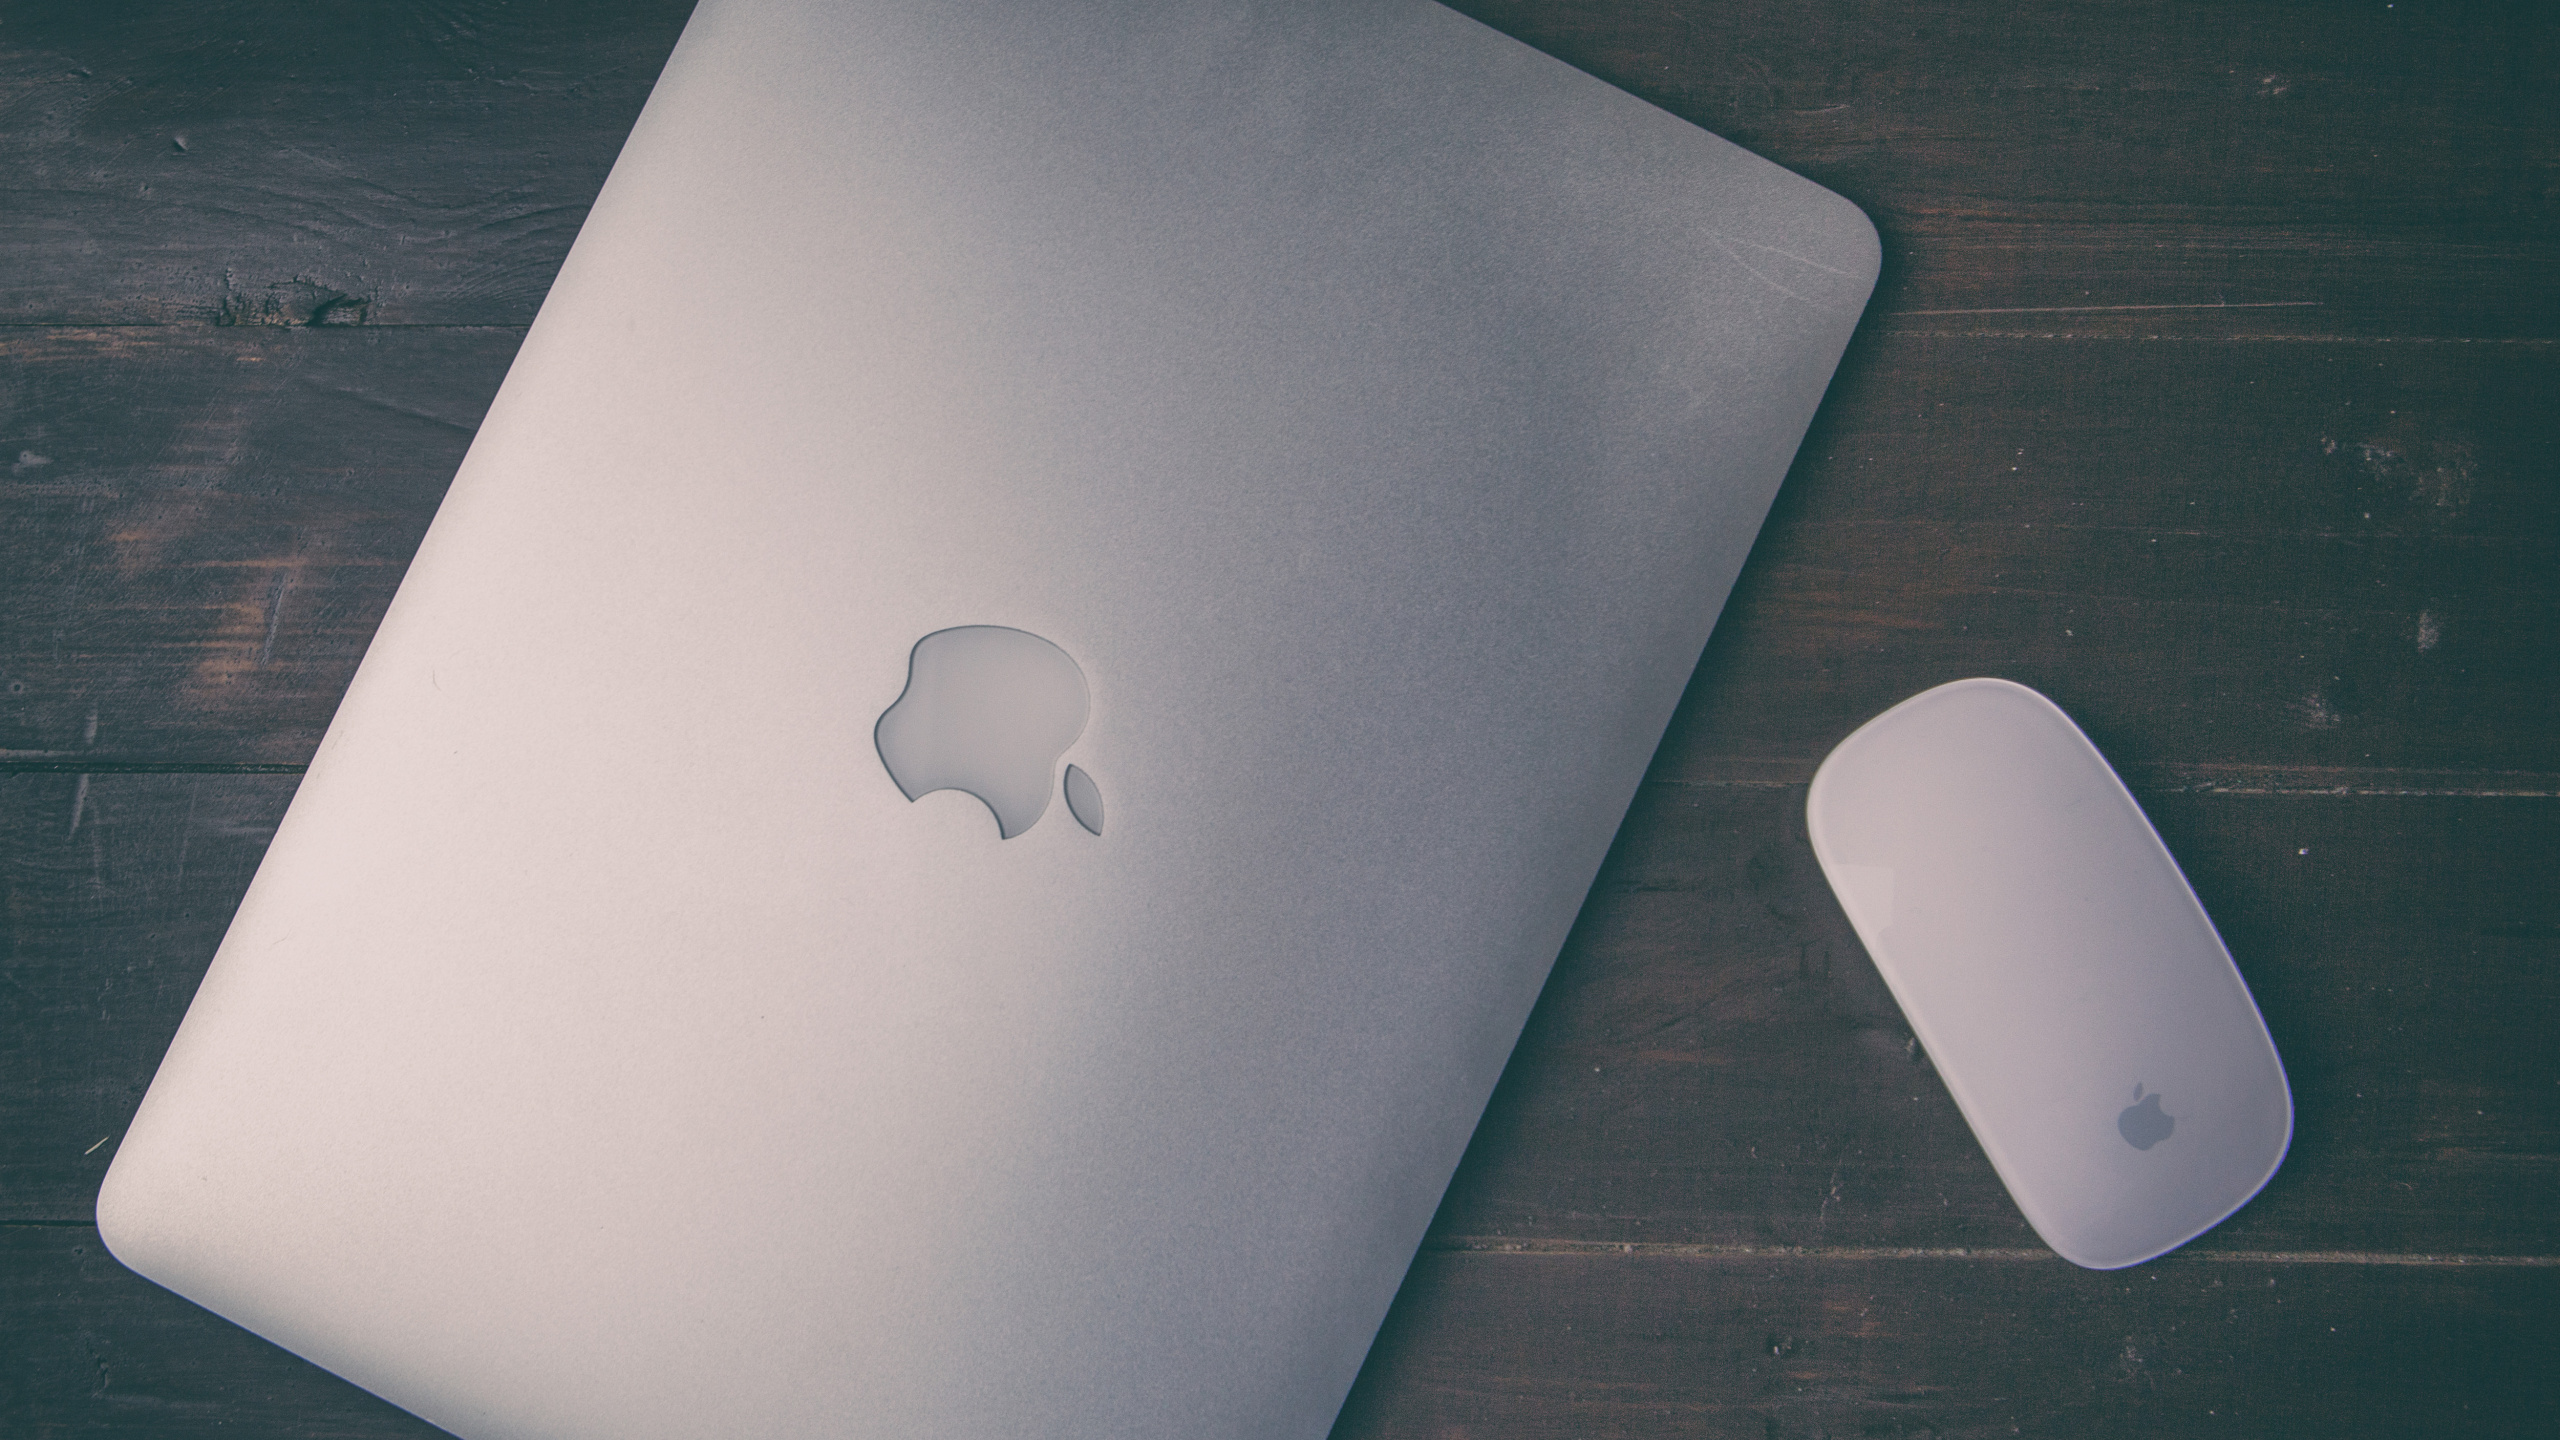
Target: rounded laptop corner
<point>126,1215</point>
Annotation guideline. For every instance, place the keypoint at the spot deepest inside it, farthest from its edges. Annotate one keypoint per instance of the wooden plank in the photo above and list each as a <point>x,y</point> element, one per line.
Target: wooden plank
<point>2314,564</point>
<point>201,528</point>
<point>2287,560</point>
<point>88,1348</point>
<point>114,891</point>
<point>1752,1346</point>
<point>268,163</point>
<point>2274,569</point>
<point>2373,171</point>
<point>1714,1062</point>
<point>2335,170</point>
<point>1629,1345</point>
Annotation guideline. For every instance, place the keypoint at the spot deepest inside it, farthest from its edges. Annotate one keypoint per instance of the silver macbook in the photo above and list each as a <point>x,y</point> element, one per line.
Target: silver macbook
<point>975,780</point>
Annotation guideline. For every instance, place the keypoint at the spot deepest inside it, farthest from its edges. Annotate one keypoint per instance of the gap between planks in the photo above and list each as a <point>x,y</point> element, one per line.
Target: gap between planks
<point>52,762</point>
<point>1777,775</point>
<point>2102,309</point>
<point>259,327</point>
<point>1500,1245</point>
<point>1879,318</point>
<point>2210,780</point>
<point>2527,342</point>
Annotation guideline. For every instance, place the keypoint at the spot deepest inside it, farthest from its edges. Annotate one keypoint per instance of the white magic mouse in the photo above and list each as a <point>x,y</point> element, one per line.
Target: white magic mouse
<point>2045,948</point>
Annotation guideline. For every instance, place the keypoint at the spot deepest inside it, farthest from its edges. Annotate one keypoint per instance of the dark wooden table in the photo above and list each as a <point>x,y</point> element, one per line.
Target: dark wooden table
<point>2209,389</point>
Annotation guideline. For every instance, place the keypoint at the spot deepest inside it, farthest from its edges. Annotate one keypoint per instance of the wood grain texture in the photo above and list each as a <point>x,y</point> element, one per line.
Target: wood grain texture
<point>1762,1346</point>
<point>2065,167</point>
<point>114,892</point>
<point>2206,389</point>
<point>2226,559</point>
<point>1575,1346</point>
<point>1716,1062</point>
<point>201,527</point>
<point>271,163</point>
<point>2332,169</point>
<point>96,1352</point>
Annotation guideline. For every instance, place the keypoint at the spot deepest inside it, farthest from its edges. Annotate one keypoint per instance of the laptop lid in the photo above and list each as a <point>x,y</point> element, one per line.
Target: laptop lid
<point>1259,475</point>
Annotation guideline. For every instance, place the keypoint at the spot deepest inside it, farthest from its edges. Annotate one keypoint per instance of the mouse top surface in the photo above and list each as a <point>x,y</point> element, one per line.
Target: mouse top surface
<point>2049,954</point>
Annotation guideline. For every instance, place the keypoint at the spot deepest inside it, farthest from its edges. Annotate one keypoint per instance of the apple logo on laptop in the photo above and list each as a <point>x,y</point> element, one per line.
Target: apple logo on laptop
<point>987,711</point>
<point>2142,1125</point>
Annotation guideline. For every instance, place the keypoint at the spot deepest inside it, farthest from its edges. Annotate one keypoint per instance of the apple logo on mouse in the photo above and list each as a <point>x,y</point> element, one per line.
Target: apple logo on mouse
<point>2142,1125</point>
<point>988,710</point>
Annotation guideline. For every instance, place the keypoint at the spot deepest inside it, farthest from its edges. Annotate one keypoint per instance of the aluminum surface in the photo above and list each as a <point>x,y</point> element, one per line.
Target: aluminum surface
<point>1375,410</point>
